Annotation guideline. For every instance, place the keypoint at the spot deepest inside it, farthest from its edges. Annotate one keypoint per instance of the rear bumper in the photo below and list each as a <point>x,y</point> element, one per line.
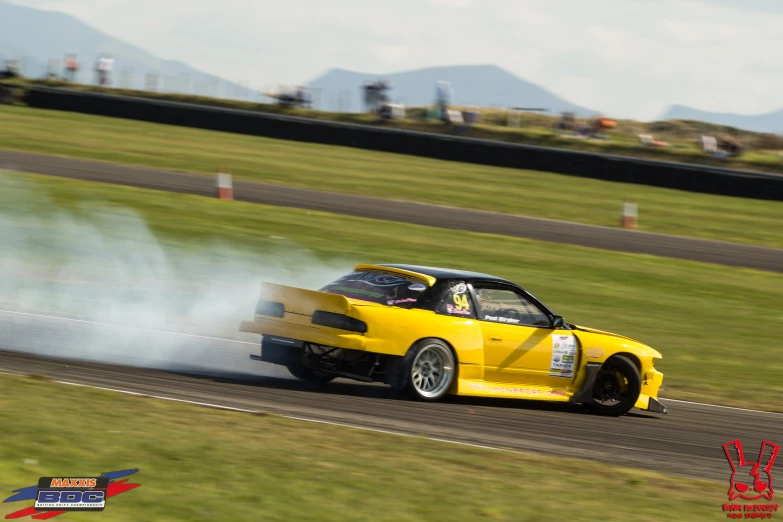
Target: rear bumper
<point>279,350</point>
<point>312,334</point>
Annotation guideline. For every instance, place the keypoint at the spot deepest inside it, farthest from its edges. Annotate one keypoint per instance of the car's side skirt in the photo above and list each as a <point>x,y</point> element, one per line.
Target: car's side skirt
<point>480,388</point>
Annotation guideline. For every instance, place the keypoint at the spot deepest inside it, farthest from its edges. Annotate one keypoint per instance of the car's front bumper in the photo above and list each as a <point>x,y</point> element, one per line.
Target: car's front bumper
<point>656,407</point>
<point>651,383</point>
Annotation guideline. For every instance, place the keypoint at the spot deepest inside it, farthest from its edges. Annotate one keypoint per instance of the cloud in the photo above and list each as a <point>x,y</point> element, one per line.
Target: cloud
<point>392,54</point>
<point>457,4</point>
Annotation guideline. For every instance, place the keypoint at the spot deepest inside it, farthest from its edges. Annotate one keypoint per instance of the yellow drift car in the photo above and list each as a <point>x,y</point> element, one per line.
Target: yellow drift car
<point>434,331</point>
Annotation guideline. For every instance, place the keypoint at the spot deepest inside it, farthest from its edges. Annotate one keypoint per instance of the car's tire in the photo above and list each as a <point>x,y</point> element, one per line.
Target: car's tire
<point>427,371</point>
<point>308,374</point>
<point>616,388</point>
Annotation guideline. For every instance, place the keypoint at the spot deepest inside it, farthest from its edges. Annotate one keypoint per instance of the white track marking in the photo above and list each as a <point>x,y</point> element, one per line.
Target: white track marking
<point>481,446</point>
<point>125,326</point>
<point>292,417</point>
<point>161,397</point>
<point>719,406</point>
<point>255,344</point>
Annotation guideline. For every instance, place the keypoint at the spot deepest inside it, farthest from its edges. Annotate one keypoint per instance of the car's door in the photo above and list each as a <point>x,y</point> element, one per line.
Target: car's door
<point>520,346</point>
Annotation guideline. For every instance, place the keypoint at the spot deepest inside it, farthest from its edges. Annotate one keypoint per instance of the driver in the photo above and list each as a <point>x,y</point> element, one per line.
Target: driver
<point>486,303</point>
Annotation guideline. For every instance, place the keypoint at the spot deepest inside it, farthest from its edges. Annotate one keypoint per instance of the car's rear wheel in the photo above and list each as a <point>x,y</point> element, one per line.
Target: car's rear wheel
<point>308,374</point>
<point>616,388</point>
<point>427,371</point>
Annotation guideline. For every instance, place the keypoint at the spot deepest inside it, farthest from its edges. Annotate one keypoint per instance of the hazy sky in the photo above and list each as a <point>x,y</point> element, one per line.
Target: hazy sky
<point>629,58</point>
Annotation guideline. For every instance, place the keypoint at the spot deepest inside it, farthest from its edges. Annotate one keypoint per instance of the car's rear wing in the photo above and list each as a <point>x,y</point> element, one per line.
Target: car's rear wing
<point>299,306</point>
<point>301,301</point>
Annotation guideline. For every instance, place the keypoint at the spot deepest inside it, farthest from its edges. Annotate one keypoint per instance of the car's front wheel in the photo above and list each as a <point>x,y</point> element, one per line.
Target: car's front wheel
<point>427,371</point>
<point>616,388</point>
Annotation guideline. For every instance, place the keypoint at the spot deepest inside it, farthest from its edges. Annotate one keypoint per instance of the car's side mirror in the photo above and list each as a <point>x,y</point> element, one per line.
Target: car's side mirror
<point>557,321</point>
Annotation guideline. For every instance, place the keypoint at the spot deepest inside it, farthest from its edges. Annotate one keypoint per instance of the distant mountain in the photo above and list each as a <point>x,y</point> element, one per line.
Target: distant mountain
<point>769,122</point>
<point>480,85</point>
<point>35,36</point>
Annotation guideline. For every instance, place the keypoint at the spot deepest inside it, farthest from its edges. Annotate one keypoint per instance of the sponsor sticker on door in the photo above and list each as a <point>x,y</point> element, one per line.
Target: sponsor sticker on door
<point>563,356</point>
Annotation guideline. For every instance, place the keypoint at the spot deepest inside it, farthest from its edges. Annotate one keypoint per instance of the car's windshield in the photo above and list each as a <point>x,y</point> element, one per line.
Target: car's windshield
<point>378,286</point>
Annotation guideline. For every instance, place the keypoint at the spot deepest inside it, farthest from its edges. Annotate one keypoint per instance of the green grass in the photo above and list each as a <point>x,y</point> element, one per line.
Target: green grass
<point>198,463</point>
<point>534,129</point>
<point>717,327</point>
<point>395,176</point>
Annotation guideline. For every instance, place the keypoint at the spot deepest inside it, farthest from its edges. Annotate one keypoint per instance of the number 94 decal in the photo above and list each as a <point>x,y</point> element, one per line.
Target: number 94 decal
<point>462,302</point>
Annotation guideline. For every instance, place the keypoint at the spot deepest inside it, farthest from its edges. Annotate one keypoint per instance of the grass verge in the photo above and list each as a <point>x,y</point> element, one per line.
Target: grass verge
<point>203,464</point>
<point>395,176</point>
<point>717,327</point>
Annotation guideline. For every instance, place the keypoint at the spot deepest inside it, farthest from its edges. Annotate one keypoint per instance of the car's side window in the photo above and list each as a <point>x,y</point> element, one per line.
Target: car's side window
<point>456,301</point>
<point>502,305</point>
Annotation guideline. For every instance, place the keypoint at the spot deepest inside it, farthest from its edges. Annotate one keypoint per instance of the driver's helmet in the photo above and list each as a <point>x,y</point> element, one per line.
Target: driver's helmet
<point>486,303</point>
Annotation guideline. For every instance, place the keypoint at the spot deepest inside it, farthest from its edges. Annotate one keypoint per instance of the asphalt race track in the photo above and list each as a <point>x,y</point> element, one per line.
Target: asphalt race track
<point>688,441</point>
<point>719,252</point>
<point>214,368</point>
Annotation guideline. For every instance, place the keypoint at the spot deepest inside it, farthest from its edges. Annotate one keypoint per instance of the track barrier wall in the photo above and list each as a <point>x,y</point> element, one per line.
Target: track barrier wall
<point>694,178</point>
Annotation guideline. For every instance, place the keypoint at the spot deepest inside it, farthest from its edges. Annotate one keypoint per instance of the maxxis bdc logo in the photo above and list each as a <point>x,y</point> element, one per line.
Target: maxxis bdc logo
<point>55,496</point>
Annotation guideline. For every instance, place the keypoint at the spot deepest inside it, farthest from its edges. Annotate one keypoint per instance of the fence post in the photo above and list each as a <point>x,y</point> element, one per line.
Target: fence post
<point>225,189</point>
<point>630,213</point>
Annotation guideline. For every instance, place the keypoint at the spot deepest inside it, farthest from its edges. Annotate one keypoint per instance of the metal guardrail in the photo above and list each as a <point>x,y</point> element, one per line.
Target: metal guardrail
<point>609,167</point>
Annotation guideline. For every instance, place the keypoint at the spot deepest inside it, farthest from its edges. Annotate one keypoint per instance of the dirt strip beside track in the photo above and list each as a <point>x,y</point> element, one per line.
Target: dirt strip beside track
<point>617,239</point>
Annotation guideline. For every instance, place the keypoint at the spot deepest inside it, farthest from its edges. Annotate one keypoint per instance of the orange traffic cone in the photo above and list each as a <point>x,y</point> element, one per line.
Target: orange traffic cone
<point>629,213</point>
<point>225,188</point>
